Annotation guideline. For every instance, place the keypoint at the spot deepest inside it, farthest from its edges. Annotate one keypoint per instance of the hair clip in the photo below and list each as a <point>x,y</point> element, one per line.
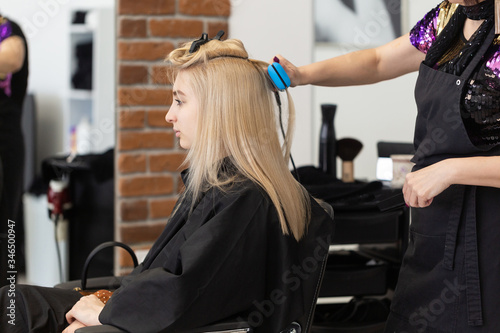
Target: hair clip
<point>195,46</point>
<point>219,35</point>
<point>199,42</point>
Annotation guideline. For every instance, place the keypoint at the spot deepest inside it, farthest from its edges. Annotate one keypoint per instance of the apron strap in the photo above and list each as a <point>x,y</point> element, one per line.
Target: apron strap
<point>464,201</point>
<point>475,314</point>
<point>452,228</point>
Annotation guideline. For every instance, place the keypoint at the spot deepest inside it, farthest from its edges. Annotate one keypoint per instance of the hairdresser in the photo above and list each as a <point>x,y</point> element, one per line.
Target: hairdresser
<point>13,82</point>
<point>450,276</point>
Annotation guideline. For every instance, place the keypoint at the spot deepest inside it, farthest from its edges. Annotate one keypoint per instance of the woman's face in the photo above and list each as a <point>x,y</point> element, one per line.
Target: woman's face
<point>183,113</point>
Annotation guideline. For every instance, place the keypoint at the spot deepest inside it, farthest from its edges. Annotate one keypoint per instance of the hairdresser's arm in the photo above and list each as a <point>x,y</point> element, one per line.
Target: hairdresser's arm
<point>422,186</point>
<point>385,62</point>
<point>12,53</point>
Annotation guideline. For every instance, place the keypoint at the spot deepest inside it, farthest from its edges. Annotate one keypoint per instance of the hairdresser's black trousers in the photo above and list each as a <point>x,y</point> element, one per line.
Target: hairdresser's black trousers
<point>32,309</point>
<point>11,185</point>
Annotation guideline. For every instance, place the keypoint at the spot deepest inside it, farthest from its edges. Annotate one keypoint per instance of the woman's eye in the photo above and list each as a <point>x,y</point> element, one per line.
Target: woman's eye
<point>178,102</point>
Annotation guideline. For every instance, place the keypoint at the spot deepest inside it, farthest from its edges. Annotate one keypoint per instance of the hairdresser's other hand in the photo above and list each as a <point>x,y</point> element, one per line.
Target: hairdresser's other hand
<point>422,186</point>
<point>86,311</point>
<point>290,69</point>
<point>73,327</point>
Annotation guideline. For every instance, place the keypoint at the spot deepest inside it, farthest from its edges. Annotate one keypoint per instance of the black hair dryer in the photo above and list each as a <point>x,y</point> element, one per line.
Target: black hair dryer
<point>327,141</point>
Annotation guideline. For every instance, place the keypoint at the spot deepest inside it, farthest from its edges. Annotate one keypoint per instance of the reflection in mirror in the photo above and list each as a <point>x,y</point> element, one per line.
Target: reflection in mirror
<point>363,23</point>
<point>71,92</point>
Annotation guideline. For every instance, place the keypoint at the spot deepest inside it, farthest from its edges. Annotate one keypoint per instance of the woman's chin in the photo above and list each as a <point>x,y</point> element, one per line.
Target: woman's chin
<point>184,145</point>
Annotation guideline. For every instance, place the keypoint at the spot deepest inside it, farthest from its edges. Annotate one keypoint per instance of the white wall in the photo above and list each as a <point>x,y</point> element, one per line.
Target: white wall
<point>384,111</point>
<point>282,27</point>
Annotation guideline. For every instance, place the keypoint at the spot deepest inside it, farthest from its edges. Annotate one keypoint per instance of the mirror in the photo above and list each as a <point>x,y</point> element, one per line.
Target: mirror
<point>54,39</point>
<point>384,111</point>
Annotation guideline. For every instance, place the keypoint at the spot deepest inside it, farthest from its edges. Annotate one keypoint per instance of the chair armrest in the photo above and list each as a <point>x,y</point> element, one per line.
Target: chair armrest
<point>230,326</point>
<point>99,329</point>
<point>227,326</point>
<point>105,282</point>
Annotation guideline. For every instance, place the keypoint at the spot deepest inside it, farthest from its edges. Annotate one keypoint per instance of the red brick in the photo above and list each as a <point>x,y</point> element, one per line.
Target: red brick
<point>133,74</point>
<point>156,118</point>
<point>205,7</point>
<point>140,233</point>
<point>143,96</point>
<point>130,140</point>
<point>159,75</point>
<point>144,50</point>
<point>161,208</point>
<point>131,119</point>
<point>151,7</point>
<point>215,27</point>
<point>145,185</point>
<point>125,258</point>
<point>133,28</point>
<point>134,210</point>
<point>176,28</point>
<point>128,163</point>
<point>170,162</point>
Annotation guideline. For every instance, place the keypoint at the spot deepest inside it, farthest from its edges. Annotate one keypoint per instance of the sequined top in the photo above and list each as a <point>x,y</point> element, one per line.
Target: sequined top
<point>13,85</point>
<point>480,106</point>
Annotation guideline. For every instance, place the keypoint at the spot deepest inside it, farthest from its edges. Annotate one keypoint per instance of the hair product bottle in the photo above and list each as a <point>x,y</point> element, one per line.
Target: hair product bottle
<point>327,141</point>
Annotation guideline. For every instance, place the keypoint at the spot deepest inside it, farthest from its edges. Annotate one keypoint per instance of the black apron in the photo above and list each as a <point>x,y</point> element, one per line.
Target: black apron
<point>450,276</point>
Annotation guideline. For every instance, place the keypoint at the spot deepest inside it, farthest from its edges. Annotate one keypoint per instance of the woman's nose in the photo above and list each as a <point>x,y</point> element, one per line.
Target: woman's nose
<point>169,117</point>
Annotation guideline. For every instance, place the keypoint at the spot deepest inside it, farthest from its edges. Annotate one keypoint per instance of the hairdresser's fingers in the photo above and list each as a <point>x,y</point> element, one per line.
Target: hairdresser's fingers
<point>291,70</point>
<point>275,59</point>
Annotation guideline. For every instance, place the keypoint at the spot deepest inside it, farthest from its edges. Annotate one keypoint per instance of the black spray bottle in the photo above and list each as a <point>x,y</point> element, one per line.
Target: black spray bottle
<point>328,141</point>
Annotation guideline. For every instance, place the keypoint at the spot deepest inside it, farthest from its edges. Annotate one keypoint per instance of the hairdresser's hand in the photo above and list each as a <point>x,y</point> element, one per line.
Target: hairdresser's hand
<point>290,69</point>
<point>86,311</point>
<point>73,327</point>
<point>422,186</point>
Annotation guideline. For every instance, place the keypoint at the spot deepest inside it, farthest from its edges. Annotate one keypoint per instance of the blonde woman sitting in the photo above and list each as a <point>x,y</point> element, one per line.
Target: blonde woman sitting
<point>244,236</point>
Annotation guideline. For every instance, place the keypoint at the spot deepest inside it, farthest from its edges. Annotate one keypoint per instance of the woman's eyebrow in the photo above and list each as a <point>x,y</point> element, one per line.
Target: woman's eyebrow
<point>178,92</point>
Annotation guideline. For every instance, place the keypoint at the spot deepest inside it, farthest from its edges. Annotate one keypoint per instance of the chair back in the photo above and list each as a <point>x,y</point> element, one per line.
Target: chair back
<point>314,282</point>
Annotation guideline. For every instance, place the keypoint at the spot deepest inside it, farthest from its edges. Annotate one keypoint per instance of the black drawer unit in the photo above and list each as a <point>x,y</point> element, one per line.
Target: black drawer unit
<point>349,273</point>
<point>367,227</point>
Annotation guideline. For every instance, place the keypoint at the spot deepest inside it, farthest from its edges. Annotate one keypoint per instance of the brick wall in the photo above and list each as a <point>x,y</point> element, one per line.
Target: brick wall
<point>147,154</point>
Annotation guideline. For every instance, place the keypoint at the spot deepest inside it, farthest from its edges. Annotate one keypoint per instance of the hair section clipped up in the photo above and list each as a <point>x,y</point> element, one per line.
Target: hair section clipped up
<point>237,121</point>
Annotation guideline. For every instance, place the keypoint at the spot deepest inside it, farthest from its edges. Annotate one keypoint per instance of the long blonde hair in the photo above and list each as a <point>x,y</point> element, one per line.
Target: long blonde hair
<point>237,119</point>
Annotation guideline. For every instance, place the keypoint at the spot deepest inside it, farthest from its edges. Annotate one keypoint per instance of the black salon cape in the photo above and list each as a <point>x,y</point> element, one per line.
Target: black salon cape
<point>227,258</point>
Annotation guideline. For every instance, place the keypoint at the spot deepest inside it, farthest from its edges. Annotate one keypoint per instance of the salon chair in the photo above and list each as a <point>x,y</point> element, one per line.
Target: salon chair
<point>232,325</point>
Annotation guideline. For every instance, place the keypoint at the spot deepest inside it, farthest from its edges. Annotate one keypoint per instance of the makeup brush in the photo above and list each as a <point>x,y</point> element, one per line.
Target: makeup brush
<point>347,150</point>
